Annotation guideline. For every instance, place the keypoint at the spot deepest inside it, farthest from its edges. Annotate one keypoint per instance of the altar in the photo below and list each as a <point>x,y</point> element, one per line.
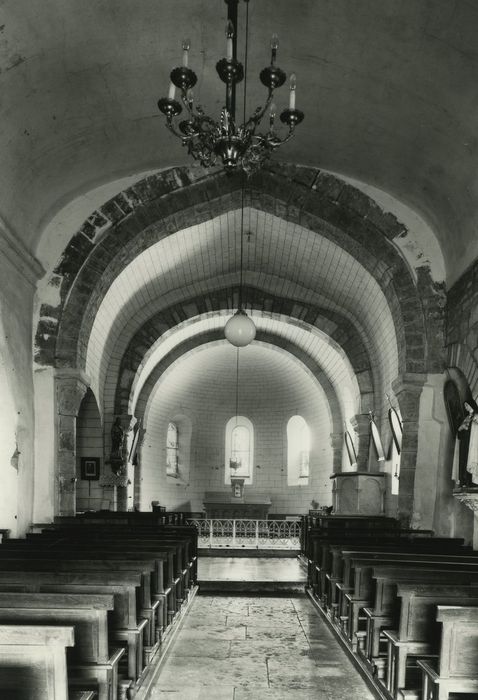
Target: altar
<point>223,505</point>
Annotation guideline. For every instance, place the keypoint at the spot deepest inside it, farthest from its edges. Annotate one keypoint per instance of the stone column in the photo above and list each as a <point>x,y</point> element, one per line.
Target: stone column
<point>137,470</point>
<point>408,389</point>
<point>337,442</point>
<point>70,387</point>
<point>361,424</point>
<point>127,423</point>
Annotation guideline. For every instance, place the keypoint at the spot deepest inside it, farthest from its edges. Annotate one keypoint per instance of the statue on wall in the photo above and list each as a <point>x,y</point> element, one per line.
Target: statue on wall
<point>471,423</point>
<point>117,443</point>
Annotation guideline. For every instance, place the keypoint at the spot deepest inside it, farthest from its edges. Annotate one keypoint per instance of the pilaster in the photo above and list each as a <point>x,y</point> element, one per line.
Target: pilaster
<point>408,389</point>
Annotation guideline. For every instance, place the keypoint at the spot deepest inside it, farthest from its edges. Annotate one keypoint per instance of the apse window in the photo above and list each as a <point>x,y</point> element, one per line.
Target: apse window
<point>239,449</point>
<point>298,451</point>
<point>172,450</point>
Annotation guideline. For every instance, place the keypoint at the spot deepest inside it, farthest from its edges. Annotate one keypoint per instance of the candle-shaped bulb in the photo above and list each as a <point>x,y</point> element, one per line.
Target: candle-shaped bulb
<point>293,85</point>
<point>172,91</point>
<point>190,96</point>
<point>229,40</point>
<point>186,47</point>
<point>274,47</point>
<point>274,41</point>
<point>272,114</point>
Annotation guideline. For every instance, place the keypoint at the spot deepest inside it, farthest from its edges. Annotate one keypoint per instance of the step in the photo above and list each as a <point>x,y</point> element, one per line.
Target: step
<point>268,587</point>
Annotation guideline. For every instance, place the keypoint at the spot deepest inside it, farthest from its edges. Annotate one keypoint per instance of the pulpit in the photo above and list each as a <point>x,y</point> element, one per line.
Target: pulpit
<point>359,493</point>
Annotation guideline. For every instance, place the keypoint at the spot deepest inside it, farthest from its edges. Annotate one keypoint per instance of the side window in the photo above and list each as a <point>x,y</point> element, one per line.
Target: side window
<point>172,450</point>
<point>298,451</point>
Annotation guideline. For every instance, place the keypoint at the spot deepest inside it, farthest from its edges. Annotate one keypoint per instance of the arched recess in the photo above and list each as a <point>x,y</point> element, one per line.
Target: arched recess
<point>205,375</point>
<point>89,455</point>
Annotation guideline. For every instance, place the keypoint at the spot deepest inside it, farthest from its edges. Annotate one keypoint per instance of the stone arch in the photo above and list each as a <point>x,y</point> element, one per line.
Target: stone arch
<point>313,199</point>
<point>278,343</point>
<point>151,332</point>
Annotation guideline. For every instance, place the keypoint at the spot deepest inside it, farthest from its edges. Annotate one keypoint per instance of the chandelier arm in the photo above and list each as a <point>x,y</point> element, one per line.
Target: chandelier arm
<point>172,128</point>
<point>256,118</point>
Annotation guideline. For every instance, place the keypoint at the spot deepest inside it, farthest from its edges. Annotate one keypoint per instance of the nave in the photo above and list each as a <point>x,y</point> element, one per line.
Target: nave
<point>252,646</point>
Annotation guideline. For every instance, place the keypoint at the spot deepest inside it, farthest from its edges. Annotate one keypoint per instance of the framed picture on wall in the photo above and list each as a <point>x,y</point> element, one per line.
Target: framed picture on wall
<point>90,468</point>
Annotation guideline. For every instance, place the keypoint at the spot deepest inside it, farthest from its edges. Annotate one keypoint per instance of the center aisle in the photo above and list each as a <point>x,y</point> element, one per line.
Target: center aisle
<point>254,648</point>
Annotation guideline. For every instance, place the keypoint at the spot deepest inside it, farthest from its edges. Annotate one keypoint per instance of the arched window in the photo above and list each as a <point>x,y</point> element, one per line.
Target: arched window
<point>298,450</point>
<point>172,450</point>
<point>239,449</point>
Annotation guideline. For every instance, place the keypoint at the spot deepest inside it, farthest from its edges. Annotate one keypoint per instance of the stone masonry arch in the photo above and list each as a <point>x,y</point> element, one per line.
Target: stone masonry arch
<point>318,201</point>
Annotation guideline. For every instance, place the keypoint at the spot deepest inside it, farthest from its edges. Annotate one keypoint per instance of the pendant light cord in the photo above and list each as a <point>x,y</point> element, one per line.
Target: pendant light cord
<point>237,384</point>
<point>243,181</point>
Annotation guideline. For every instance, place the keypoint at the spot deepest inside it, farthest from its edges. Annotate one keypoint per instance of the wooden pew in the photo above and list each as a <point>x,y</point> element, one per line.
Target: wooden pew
<point>90,659</point>
<point>333,574</point>
<point>127,623</point>
<point>457,667</point>
<point>338,578</point>
<point>171,586</point>
<point>179,566</point>
<point>106,565</point>
<point>33,662</point>
<point>131,523</point>
<point>417,632</point>
<point>373,595</point>
<point>327,565</point>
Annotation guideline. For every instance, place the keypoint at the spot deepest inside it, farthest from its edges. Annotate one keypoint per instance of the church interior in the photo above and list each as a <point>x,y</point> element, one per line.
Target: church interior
<point>238,284</point>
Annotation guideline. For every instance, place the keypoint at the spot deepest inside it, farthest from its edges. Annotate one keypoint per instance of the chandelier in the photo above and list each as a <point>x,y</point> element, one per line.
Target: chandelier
<point>238,145</point>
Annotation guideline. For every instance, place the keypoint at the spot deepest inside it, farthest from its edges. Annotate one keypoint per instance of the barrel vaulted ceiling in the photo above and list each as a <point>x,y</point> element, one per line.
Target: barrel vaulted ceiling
<point>281,258</point>
<point>389,89</point>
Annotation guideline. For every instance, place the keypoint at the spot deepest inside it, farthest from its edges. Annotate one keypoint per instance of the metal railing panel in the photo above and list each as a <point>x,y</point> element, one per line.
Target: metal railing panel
<point>247,533</point>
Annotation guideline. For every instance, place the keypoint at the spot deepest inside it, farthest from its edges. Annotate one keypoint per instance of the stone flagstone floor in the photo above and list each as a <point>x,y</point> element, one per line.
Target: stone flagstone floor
<point>256,648</point>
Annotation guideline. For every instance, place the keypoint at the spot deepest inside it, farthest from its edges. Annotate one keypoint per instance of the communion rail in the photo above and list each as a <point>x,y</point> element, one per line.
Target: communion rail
<point>248,534</point>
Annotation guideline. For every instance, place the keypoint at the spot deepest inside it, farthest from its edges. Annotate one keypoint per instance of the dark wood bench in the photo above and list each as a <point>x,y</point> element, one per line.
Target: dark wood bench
<point>128,625</point>
<point>33,662</point>
<point>173,584</point>
<point>327,566</point>
<point>177,570</point>
<point>456,670</point>
<point>417,633</point>
<point>373,593</point>
<point>57,563</point>
<point>91,659</point>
